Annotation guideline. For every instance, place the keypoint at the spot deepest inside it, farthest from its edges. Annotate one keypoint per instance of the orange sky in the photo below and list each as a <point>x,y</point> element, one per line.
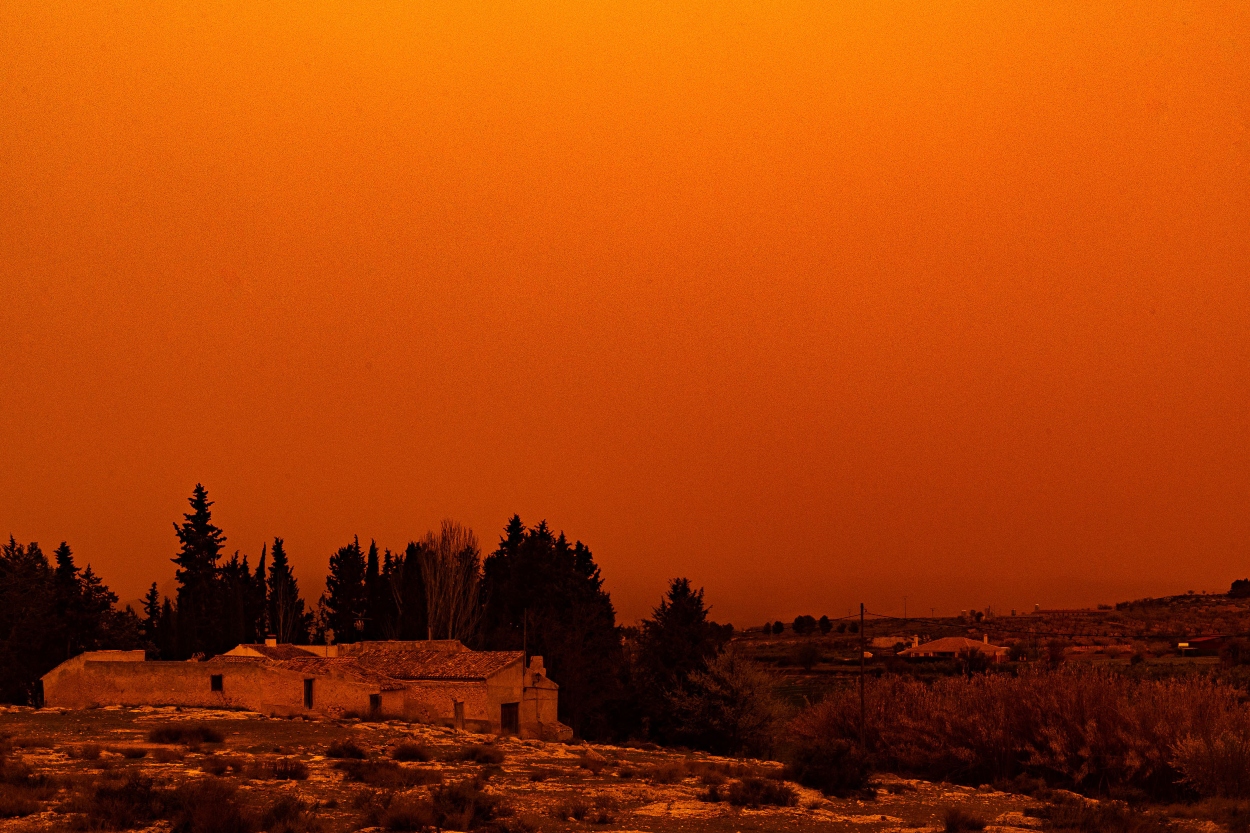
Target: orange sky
<point>812,302</point>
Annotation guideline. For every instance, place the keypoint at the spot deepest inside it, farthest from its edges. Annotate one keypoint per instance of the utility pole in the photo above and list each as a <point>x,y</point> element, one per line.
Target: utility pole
<point>904,608</point>
<point>863,659</point>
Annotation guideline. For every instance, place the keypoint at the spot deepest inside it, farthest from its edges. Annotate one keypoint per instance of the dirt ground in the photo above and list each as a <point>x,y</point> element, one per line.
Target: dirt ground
<point>546,785</point>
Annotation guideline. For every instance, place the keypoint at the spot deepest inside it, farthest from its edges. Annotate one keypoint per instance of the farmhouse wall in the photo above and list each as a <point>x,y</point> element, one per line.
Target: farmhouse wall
<point>92,682</point>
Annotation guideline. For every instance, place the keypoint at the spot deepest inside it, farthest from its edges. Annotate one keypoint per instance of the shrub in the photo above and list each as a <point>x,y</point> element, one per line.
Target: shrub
<point>1082,729</point>
<point>387,774</point>
<point>189,734</point>
<point>16,801</point>
<point>464,806</point>
<point>287,814</point>
<point>86,752</point>
<point>729,708</point>
<point>124,805</point>
<point>761,792</point>
<point>829,764</point>
<point>594,764</point>
<point>220,765</point>
<point>482,753</point>
<point>345,749</point>
<point>957,820</point>
<point>411,752</point>
<point>132,752</point>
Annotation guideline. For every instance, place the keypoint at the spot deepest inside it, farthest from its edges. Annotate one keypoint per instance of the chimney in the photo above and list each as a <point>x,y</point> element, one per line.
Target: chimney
<point>985,638</point>
<point>271,642</point>
<point>536,665</point>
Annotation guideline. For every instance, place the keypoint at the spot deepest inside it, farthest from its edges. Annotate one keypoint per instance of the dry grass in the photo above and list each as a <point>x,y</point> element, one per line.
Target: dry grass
<point>387,774</point>
<point>190,734</point>
<point>411,753</point>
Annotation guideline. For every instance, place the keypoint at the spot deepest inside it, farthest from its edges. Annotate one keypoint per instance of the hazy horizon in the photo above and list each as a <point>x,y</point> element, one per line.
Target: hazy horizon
<point>812,303</point>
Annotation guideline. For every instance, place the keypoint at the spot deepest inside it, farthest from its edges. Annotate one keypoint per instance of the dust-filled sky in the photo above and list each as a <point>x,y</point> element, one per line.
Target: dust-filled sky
<point>812,302</point>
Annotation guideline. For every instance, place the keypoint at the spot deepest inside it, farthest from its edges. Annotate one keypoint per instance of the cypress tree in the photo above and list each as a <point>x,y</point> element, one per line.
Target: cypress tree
<point>344,599</point>
<point>199,596</point>
<point>152,617</point>
<point>286,617</point>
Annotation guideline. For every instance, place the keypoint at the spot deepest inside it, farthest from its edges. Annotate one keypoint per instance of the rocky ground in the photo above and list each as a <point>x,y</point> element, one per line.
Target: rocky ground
<point>62,757</point>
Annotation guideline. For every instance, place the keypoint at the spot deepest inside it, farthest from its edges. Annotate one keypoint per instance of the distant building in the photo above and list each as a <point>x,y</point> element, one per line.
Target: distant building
<point>1202,646</point>
<point>434,681</point>
<point>950,647</point>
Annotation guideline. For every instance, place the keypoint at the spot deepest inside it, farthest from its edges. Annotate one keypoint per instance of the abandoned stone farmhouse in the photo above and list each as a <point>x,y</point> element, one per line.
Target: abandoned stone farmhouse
<point>434,681</point>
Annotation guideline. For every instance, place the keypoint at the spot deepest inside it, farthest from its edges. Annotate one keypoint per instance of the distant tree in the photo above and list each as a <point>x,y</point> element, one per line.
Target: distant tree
<point>344,599</point>
<point>825,625</point>
<point>544,594</point>
<point>1240,589</point>
<point>804,625</point>
<point>779,627</point>
<point>152,617</point>
<point>854,627</point>
<point>286,617</point>
<point>167,632</point>
<point>199,603</point>
<point>807,655</point>
<point>842,627</point>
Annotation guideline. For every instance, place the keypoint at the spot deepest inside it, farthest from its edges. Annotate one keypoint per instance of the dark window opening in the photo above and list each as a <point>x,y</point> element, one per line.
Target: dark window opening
<point>375,703</point>
<point>308,694</point>
<point>214,682</point>
<point>510,717</point>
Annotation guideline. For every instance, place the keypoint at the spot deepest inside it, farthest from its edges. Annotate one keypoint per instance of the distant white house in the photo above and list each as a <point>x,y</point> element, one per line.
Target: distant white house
<point>950,647</point>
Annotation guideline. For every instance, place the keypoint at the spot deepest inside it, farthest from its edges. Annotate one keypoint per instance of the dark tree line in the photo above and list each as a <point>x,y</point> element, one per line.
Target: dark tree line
<point>670,679</point>
<point>50,612</point>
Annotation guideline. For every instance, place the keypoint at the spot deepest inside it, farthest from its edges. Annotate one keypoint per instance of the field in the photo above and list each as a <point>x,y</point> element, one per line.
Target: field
<point>261,763</point>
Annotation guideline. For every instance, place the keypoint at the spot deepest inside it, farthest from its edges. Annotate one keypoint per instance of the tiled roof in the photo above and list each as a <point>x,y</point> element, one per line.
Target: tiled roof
<point>410,662</point>
<point>322,667</point>
<point>952,645</point>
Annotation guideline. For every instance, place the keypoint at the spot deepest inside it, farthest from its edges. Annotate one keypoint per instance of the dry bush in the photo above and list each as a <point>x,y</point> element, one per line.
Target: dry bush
<point>221,764</point>
<point>581,810</point>
<point>411,753</point>
<point>958,820</point>
<point>166,756</point>
<point>832,765</point>
<point>188,734</point>
<point>481,753</point>
<point>387,774</point>
<point>287,814</point>
<point>1087,729</point>
<point>132,753</point>
<point>278,769</point>
<point>86,752</point>
<point>21,790</point>
<point>202,806</point>
<point>592,764</point>
<point>761,792</point>
<point>345,749</point>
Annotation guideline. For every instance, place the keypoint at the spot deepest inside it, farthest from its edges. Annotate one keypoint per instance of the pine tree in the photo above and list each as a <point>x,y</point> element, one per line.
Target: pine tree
<point>199,602</point>
<point>677,641</point>
<point>345,593</point>
<point>286,617</point>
